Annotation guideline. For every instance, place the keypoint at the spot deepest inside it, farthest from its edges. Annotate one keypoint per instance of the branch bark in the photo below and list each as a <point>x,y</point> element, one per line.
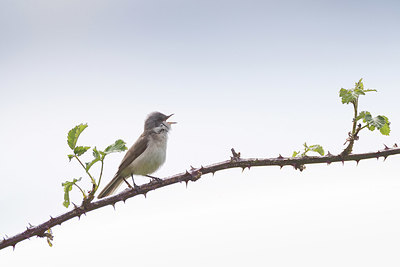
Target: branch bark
<point>192,175</point>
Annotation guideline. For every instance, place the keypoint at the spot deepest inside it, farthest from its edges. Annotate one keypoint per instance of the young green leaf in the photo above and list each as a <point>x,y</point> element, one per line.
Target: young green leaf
<point>49,237</point>
<point>68,187</point>
<point>70,156</point>
<point>295,153</point>
<point>376,122</point>
<point>118,146</point>
<point>351,95</point>
<point>317,148</point>
<point>385,130</point>
<point>80,150</point>
<point>361,115</point>
<point>74,133</point>
<point>96,155</point>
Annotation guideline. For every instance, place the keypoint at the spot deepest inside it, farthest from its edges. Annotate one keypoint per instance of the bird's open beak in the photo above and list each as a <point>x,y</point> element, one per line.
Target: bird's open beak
<point>170,122</point>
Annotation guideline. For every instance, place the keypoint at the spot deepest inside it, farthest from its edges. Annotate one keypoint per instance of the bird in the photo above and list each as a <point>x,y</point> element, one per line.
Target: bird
<point>146,155</point>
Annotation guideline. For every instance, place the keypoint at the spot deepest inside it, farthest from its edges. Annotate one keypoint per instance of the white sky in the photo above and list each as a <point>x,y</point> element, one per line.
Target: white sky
<point>260,76</point>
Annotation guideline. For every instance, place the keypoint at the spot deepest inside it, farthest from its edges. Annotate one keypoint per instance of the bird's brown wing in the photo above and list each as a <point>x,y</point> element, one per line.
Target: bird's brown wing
<point>135,151</point>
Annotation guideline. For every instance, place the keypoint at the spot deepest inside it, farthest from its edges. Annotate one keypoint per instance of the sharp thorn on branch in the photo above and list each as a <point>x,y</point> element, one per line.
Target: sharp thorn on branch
<point>386,147</point>
<point>329,154</point>
<point>357,161</point>
<point>395,145</point>
<point>280,156</point>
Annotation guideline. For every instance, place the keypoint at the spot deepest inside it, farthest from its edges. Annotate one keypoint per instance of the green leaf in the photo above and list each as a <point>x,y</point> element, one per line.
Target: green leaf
<point>49,237</point>
<point>74,133</point>
<point>68,187</point>
<point>317,148</point>
<point>351,95</point>
<point>361,115</point>
<point>314,148</point>
<point>70,156</point>
<point>79,150</point>
<point>385,129</point>
<point>347,95</point>
<point>118,146</point>
<point>376,122</point>
<point>96,155</point>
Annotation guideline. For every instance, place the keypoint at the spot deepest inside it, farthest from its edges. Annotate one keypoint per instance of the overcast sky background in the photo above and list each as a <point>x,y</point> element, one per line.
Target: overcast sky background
<point>260,76</point>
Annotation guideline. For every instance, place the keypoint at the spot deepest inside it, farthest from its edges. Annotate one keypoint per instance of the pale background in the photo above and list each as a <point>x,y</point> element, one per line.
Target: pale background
<point>260,76</point>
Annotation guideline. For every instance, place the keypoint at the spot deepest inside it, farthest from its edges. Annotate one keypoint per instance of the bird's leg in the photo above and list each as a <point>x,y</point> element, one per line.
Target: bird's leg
<point>129,185</point>
<point>133,180</point>
<point>154,178</point>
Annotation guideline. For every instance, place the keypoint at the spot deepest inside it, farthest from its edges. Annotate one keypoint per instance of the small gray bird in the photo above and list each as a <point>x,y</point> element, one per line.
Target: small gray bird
<point>146,155</point>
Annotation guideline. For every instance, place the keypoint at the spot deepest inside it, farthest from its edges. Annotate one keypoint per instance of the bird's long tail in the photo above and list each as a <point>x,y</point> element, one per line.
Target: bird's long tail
<point>111,186</point>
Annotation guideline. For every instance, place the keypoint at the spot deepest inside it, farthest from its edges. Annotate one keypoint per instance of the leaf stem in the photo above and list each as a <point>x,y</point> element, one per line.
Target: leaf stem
<point>83,192</point>
<point>101,173</point>
<point>83,166</point>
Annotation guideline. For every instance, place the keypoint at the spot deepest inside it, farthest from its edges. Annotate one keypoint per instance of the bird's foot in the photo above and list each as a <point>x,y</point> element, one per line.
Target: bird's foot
<point>155,178</point>
<point>129,185</point>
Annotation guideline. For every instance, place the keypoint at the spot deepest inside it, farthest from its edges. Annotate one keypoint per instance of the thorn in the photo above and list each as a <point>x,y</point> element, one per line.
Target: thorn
<point>329,154</point>
<point>30,225</point>
<point>201,168</point>
<point>6,236</point>
<point>328,163</point>
<point>386,147</point>
<point>385,157</point>
<point>113,205</point>
<point>357,161</point>
<point>192,168</point>
<point>249,167</point>
<point>51,218</point>
<point>79,216</point>
<point>280,166</point>
<point>343,162</point>
<point>13,247</point>
<point>75,206</point>
<point>395,145</point>
<point>280,156</point>
<point>213,173</point>
<point>187,173</point>
<point>186,182</point>
<point>27,228</point>
<point>145,195</point>
<point>243,168</point>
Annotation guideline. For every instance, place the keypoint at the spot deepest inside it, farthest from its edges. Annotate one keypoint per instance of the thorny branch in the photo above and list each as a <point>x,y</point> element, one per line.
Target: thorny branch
<point>192,175</point>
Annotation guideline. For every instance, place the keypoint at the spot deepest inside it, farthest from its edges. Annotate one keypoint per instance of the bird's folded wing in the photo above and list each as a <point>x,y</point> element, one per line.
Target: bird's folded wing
<point>135,151</point>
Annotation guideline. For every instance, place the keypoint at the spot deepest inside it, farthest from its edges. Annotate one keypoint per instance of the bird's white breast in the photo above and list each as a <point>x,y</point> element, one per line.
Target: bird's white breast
<point>152,158</point>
